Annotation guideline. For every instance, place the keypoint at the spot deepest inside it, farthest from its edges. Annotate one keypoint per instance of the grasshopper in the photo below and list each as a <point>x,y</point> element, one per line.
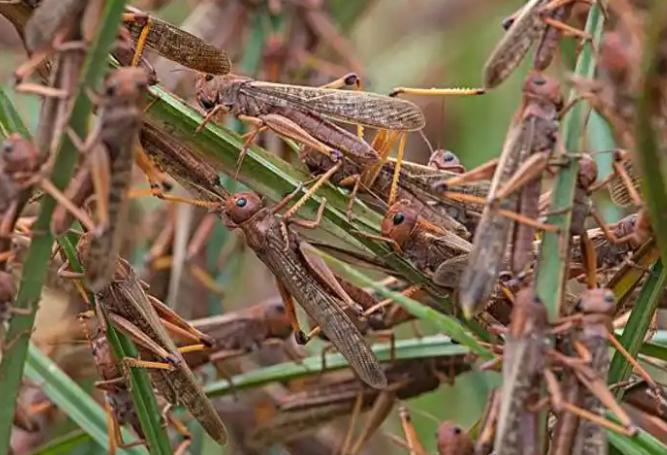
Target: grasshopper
<point>523,363</point>
<point>115,387</point>
<point>300,274</point>
<point>513,201</point>
<point>243,331</point>
<point>108,171</point>
<point>305,114</point>
<point>127,306</point>
<point>19,166</point>
<point>302,412</point>
<point>537,20</point>
<point>430,248</point>
<point>174,43</point>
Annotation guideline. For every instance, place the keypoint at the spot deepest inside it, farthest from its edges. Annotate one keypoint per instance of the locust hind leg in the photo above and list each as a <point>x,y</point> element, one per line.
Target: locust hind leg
<point>299,335</point>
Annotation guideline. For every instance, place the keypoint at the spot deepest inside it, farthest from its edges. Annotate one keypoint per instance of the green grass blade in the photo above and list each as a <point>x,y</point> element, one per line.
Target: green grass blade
<point>143,397</point>
<point>650,156</point>
<point>638,323</point>
<point>70,398</point>
<point>65,444</point>
<point>10,120</point>
<point>37,258</point>
<point>416,348</point>
<point>551,267</point>
<point>641,443</point>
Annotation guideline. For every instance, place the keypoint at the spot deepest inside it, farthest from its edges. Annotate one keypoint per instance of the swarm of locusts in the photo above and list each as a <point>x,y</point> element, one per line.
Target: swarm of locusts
<point>512,263</point>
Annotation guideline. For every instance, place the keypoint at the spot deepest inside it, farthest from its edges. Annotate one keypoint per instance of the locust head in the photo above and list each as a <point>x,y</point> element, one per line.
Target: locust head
<point>588,172</point>
<point>19,156</point>
<point>444,160</point>
<point>240,207</point>
<point>126,85</point>
<point>277,320</point>
<point>542,88</point>
<point>451,436</point>
<point>399,222</point>
<point>214,91</point>
<point>598,301</point>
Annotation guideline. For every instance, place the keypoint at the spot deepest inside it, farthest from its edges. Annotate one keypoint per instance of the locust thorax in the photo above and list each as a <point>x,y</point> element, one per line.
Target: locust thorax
<point>445,160</point>
<point>597,301</point>
<point>542,88</point>
<point>240,207</point>
<point>19,156</point>
<point>399,222</point>
<point>588,172</point>
<point>277,320</point>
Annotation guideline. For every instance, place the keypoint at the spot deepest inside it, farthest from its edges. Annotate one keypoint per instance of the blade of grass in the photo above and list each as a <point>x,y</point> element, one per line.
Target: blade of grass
<point>143,397</point>
<point>416,348</point>
<point>10,120</point>
<point>37,258</point>
<point>553,252</point>
<point>65,444</point>
<point>650,156</point>
<point>70,398</point>
<point>641,443</point>
<point>638,323</point>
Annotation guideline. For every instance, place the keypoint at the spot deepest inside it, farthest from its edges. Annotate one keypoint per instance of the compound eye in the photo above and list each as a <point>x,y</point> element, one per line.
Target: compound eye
<point>398,219</point>
<point>449,156</point>
<point>609,297</point>
<point>206,103</point>
<point>241,202</point>
<point>208,77</point>
<point>7,147</point>
<point>110,90</point>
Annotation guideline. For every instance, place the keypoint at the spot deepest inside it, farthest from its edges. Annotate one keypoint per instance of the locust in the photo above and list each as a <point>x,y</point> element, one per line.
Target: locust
<point>437,252</point>
<point>537,20</point>
<point>174,43</point>
<point>524,357</point>
<point>52,25</point>
<point>115,387</point>
<point>242,331</point>
<point>513,201</point>
<point>451,439</point>
<point>301,275</point>
<point>108,172</point>
<point>125,304</point>
<point>594,312</point>
<point>302,412</point>
<point>20,163</point>
<point>306,114</point>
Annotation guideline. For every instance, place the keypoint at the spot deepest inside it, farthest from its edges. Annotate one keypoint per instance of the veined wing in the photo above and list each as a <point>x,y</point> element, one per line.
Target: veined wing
<point>347,106</point>
<point>514,44</point>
